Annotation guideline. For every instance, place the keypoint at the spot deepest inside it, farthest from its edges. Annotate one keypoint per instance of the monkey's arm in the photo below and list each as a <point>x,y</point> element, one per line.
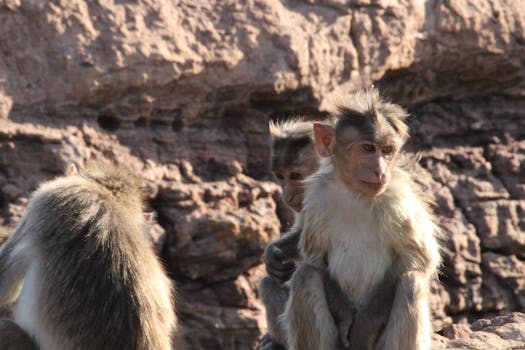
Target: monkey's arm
<point>409,325</point>
<point>13,265</point>
<point>279,255</point>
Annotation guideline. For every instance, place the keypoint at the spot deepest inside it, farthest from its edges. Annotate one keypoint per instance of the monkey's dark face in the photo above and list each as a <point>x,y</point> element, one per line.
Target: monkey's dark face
<point>294,160</point>
<point>292,182</point>
<point>365,165</point>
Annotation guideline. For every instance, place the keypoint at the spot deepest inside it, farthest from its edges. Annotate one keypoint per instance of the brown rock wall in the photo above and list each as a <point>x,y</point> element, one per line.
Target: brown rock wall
<point>181,92</point>
<point>503,332</point>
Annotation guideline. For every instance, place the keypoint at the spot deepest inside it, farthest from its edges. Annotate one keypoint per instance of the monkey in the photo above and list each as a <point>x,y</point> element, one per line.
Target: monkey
<point>365,220</point>
<point>81,270</point>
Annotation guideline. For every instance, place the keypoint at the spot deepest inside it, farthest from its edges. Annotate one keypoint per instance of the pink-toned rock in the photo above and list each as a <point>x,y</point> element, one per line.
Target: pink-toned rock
<point>507,288</point>
<point>182,92</point>
<point>456,331</point>
<point>503,332</point>
<point>509,160</point>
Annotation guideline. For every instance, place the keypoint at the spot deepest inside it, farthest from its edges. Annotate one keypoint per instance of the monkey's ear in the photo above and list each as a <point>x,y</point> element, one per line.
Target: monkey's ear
<point>148,217</point>
<point>324,135</point>
<point>72,170</point>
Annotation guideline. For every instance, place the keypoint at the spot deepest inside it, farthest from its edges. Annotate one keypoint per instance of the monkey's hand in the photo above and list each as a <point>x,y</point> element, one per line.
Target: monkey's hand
<point>277,265</point>
<point>366,330</point>
<point>344,326</point>
<point>267,343</point>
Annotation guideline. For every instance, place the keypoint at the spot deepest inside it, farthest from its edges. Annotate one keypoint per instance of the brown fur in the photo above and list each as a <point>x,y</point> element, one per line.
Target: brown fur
<point>12,337</point>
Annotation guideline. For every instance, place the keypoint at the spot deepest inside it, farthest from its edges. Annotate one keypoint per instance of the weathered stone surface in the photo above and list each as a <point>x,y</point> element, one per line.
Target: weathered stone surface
<point>456,331</point>
<point>225,232</point>
<point>509,273</point>
<point>222,316</point>
<point>503,332</point>
<point>181,92</point>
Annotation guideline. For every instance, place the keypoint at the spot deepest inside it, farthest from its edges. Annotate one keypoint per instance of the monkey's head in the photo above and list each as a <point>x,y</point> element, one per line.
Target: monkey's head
<point>293,158</point>
<point>116,179</point>
<point>365,141</point>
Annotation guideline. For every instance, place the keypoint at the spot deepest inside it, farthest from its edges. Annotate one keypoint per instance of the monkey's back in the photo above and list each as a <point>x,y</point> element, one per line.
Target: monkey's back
<point>102,286</point>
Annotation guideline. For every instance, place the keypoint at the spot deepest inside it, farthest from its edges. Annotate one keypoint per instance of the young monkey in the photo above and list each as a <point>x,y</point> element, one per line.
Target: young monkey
<point>364,221</point>
<point>84,274</point>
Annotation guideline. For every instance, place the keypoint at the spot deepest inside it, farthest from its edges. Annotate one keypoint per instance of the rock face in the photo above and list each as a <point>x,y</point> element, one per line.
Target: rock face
<point>502,332</point>
<point>181,92</point>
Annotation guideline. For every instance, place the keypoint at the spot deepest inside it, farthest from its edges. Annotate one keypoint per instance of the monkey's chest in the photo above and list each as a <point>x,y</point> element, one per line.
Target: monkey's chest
<point>358,261</point>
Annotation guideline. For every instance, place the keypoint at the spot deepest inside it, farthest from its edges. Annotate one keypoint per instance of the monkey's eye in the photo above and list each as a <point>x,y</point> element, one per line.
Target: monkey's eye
<point>387,150</point>
<point>296,176</point>
<point>279,176</point>
<point>368,147</point>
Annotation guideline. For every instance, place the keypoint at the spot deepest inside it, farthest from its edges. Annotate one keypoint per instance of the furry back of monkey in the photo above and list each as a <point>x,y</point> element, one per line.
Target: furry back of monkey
<point>90,278</point>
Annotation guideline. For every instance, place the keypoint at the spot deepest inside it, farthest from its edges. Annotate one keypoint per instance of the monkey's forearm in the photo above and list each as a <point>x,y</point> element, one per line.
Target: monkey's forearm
<point>13,265</point>
<point>409,326</point>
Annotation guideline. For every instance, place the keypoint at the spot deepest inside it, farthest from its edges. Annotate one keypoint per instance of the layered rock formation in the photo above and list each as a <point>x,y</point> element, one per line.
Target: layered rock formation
<point>181,92</point>
<point>502,332</point>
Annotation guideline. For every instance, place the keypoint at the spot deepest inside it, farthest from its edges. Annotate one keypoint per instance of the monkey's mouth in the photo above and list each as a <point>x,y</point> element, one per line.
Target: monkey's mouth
<point>373,184</point>
<point>374,187</point>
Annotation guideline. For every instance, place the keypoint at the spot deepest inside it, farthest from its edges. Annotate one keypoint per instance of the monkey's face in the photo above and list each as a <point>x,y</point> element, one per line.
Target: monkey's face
<point>292,182</point>
<point>365,166</point>
<point>362,159</point>
<point>291,165</point>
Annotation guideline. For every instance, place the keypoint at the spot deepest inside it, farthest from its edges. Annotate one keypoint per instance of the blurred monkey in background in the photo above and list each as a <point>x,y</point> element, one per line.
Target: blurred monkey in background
<point>80,269</point>
<point>293,159</point>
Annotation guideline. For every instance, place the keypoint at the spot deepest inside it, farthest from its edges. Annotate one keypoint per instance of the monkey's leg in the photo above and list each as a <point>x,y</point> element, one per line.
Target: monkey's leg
<point>13,265</point>
<point>341,307</point>
<point>307,318</point>
<point>274,297</point>
<point>372,317</point>
<point>409,325</point>
<point>12,337</point>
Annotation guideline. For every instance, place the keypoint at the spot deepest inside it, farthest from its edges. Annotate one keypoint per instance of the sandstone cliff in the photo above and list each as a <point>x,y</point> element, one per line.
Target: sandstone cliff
<point>181,92</point>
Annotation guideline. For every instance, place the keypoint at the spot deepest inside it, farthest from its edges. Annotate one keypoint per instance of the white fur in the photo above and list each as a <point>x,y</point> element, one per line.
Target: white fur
<point>357,254</point>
